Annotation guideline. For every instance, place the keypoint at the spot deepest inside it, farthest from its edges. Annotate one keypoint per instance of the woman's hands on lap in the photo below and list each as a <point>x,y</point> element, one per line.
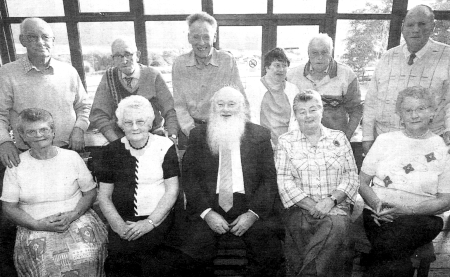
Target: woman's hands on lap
<point>59,222</point>
<point>136,229</point>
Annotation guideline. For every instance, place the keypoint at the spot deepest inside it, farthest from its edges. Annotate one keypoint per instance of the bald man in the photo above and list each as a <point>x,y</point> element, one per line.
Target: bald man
<point>128,77</point>
<point>39,81</point>
<point>419,62</point>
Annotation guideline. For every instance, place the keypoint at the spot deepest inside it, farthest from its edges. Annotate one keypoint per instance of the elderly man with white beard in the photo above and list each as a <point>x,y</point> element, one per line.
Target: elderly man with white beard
<point>230,183</point>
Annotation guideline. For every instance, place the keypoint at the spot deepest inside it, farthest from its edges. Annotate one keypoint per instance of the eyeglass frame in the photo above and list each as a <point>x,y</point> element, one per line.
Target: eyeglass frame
<point>120,57</point>
<point>45,131</point>
<point>35,38</point>
<point>139,123</point>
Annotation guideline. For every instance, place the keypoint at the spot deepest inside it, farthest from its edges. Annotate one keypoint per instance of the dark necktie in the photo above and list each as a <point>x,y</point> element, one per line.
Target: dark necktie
<point>129,80</point>
<point>226,181</point>
<point>411,59</point>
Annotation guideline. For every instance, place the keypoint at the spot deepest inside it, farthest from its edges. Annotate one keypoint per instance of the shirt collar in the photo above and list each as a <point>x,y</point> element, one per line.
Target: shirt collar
<point>419,54</point>
<point>28,66</point>
<point>331,69</point>
<point>136,74</point>
<point>214,60</point>
<point>325,133</point>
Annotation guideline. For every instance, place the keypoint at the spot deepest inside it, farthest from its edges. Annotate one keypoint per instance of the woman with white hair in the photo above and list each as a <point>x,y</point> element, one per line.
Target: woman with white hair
<point>336,83</point>
<point>138,188</point>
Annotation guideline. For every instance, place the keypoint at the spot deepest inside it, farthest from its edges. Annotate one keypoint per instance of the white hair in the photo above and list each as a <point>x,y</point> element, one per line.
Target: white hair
<point>136,102</point>
<point>324,38</point>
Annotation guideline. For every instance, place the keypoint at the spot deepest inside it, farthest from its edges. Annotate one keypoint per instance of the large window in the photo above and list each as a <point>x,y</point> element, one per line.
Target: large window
<point>294,40</point>
<point>96,39</point>
<point>296,6</point>
<point>240,7</point>
<point>171,6</point>
<point>244,42</point>
<point>166,40</point>
<point>104,6</point>
<point>365,6</point>
<point>36,8</point>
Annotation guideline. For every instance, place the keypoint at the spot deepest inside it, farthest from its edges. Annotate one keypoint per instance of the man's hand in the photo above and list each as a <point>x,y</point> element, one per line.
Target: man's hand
<point>76,141</point>
<point>366,145</point>
<point>216,222</point>
<point>9,154</point>
<point>446,137</point>
<point>242,223</point>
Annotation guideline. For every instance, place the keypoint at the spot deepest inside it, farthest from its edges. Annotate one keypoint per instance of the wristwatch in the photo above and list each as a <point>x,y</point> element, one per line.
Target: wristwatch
<point>151,222</point>
<point>173,136</point>
<point>334,199</point>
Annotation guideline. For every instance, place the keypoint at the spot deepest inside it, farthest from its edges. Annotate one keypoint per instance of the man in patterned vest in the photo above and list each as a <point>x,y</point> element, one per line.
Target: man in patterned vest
<point>419,62</point>
<point>128,77</point>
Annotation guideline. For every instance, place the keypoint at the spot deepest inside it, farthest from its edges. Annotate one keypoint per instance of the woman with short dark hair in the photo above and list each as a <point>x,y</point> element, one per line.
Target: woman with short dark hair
<point>272,96</point>
<point>49,196</point>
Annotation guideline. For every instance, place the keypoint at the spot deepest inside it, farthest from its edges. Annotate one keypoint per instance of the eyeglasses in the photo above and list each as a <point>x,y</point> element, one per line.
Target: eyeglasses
<point>279,66</point>
<point>138,123</point>
<point>419,110</point>
<point>35,38</point>
<point>42,131</point>
<point>119,57</point>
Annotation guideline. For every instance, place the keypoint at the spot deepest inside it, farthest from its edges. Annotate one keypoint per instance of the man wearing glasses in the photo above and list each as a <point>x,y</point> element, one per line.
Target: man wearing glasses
<point>126,78</point>
<point>40,81</point>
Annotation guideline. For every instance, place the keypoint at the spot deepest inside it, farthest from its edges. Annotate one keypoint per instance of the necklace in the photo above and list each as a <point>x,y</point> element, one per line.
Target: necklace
<point>139,148</point>
<point>416,136</point>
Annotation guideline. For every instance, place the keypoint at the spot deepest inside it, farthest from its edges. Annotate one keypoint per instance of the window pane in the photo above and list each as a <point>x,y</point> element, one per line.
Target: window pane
<point>442,31</point>
<point>61,50</point>
<point>296,6</point>
<point>28,8</point>
<point>96,39</point>
<point>89,6</point>
<point>360,44</point>
<point>239,6</point>
<point>166,40</point>
<point>244,42</point>
<point>172,6</point>
<point>365,6</point>
<point>435,4</point>
<point>295,40</point>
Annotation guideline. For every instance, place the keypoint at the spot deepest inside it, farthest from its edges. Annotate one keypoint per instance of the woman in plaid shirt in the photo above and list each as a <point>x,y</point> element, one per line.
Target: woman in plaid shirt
<point>317,181</point>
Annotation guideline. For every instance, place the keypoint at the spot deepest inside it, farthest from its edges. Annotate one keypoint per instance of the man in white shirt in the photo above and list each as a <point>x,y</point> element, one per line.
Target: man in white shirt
<point>230,183</point>
<point>421,61</point>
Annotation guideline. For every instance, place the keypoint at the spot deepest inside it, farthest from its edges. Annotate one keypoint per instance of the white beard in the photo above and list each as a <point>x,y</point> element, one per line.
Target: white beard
<point>225,132</point>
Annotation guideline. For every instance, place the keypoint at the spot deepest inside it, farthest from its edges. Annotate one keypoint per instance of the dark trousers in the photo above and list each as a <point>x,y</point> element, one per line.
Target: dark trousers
<point>393,243</point>
<point>263,246</point>
<point>138,257</point>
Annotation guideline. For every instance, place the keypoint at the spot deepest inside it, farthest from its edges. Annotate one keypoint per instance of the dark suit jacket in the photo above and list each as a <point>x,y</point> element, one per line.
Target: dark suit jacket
<point>200,171</point>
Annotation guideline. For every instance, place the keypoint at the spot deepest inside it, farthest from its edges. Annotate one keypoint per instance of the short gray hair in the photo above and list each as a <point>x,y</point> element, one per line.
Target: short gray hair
<point>26,20</point>
<point>322,37</point>
<point>136,102</point>
<point>416,92</point>
<point>202,16</point>
<point>306,96</point>
<point>34,115</point>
